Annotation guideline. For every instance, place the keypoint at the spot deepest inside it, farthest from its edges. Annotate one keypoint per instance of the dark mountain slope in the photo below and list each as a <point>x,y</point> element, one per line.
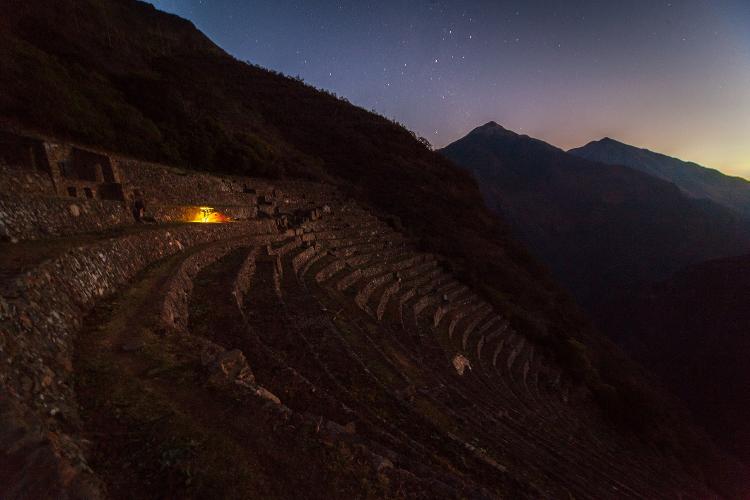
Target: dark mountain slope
<point>693,330</point>
<point>693,179</point>
<point>119,74</point>
<point>602,229</point>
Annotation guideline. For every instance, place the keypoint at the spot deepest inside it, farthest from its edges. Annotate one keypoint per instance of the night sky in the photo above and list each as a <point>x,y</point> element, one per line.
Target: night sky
<point>670,76</point>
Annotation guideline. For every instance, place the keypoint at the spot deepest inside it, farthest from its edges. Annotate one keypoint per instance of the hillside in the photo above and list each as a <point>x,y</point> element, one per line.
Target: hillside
<point>602,229</point>
<point>694,180</point>
<point>301,346</point>
<point>120,75</point>
<point>692,329</point>
<point>372,287</point>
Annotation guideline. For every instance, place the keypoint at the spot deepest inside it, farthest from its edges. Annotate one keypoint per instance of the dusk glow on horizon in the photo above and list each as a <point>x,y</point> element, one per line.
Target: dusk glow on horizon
<point>670,76</point>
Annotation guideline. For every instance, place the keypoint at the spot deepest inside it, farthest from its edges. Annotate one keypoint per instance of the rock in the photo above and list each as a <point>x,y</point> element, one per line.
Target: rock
<point>334,429</point>
<point>65,362</point>
<point>209,353</point>
<point>381,463</point>
<point>133,345</point>
<point>27,384</point>
<point>406,394</point>
<point>231,366</point>
<point>264,393</point>
<point>4,233</point>
<point>460,363</point>
<point>74,210</point>
<point>25,321</point>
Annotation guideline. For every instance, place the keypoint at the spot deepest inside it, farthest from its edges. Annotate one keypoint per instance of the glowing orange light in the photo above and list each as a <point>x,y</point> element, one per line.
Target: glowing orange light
<point>209,215</point>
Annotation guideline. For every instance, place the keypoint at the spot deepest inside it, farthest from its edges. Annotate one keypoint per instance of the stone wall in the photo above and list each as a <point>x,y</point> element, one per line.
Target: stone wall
<point>174,315</point>
<point>21,181</point>
<point>42,309</point>
<point>164,185</point>
<point>39,316</point>
<point>38,217</point>
<point>22,152</point>
<point>72,195</point>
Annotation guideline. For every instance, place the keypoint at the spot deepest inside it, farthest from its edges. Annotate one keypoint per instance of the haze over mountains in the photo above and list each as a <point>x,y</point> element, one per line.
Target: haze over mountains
<point>602,229</point>
<point>693,179</point>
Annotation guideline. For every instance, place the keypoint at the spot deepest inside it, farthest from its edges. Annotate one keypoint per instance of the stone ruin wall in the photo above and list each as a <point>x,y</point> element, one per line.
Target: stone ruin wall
<point>54,189</point>
<point>37,199</point>
<point>15,181</point>
<point>162,185</point>
<point>33,218</point>
<point>41,308</point>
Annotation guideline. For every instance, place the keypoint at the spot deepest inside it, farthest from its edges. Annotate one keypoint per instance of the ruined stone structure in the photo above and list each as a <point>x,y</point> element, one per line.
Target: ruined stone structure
<point>74,172</point>
<point>339,342</point>
<point>59,189</point>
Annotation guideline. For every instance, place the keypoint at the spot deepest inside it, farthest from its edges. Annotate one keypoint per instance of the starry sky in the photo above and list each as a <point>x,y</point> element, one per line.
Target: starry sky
<point>671,76</point>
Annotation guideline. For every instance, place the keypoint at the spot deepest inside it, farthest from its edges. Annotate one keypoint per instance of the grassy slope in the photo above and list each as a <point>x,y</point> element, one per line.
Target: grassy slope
<point>120,75</point>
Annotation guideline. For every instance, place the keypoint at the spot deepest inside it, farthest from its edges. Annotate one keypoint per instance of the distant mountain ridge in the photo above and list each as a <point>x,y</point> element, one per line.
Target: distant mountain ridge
<point>601,228</point>
<point>610,233</point>
<point>694,180</point>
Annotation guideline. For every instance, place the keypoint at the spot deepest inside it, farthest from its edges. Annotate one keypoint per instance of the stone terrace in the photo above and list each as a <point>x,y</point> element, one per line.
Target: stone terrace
<point>306,324</point>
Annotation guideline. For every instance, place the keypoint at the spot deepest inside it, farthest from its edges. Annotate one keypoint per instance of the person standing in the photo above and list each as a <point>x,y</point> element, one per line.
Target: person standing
<point>139,206</point>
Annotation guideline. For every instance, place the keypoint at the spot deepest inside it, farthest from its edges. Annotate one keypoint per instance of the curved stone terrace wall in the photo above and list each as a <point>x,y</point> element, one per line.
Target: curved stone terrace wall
<point>39,217</point>
<point>41,310</point>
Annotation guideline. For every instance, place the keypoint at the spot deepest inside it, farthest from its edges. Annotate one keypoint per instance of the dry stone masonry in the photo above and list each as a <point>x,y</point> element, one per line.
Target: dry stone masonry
<point>335,329</point>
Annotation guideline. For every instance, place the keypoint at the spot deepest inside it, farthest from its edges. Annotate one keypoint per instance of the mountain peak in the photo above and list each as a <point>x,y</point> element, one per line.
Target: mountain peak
<point>693,179</point>
<point>493,128</point>
<point>608,141</point>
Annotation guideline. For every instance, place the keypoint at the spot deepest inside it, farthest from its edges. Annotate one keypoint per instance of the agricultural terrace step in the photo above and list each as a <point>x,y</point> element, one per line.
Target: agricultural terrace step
<point>174,309</point>
<point>48,302</point>
<point>460,316</point>
<point>389,261</point>
<point>452,302</point>
<point>421,279</point>
<point>386,270</point>
<point>331,234</point>
<point>342,267</point>
<point>480,316</point>
<point>261,426</point>
<point>345,244</point>
<point>455,313</point>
